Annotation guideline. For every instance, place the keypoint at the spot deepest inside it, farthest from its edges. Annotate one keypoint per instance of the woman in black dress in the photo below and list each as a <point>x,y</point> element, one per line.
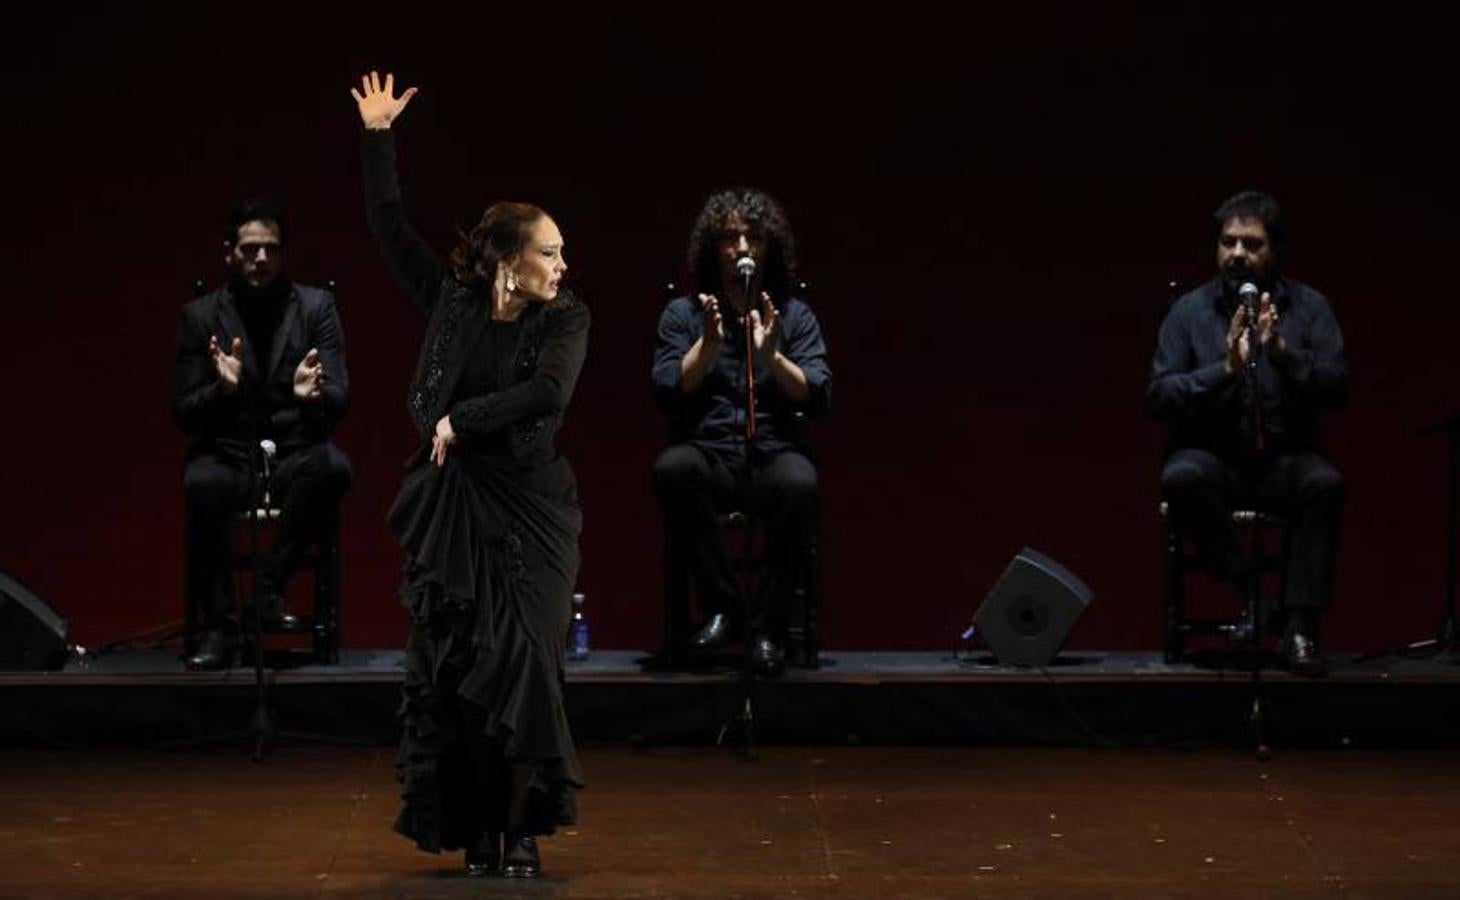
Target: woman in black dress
<point>488,517</point>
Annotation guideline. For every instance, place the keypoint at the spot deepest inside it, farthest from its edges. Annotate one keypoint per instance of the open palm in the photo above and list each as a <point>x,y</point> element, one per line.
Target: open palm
<point>379,106</point>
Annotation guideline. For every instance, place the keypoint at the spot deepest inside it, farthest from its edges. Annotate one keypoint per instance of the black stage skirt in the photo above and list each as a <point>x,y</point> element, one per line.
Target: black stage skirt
<point>491,560</point>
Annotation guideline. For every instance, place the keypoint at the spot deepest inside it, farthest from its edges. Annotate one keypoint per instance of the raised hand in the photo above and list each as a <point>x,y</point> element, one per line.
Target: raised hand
<point>766,332</point>
<point>229,366</point>
<point>445,436</point>
<point>714,331</point>
<point>379,106</point>
<point>309,376</point>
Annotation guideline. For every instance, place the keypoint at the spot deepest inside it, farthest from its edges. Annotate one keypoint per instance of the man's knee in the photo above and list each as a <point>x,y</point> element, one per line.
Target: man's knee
<point>679,470</point>
<point>1322,485</point>
<point>209,485</point>
<point>793,484</point>
<point>1182,477</point>
<point>323,472</point>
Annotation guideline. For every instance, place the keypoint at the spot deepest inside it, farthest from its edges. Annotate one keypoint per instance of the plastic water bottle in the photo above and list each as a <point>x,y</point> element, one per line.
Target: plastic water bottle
<point>967,647</point>
<point>578,630</point>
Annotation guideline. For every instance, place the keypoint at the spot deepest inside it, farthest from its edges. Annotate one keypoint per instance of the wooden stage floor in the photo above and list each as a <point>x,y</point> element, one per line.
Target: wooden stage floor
<point>887,822</point>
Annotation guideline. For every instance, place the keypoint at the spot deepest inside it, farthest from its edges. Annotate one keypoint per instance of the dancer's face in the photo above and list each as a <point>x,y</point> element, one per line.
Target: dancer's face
<point>540,267</point>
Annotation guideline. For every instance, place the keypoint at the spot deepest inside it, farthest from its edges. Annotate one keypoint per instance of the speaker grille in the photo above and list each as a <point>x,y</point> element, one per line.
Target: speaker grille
<point>1029,613</point>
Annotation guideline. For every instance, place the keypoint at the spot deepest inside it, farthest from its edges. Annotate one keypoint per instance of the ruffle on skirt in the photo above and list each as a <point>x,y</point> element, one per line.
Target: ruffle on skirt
<point>491,558</point>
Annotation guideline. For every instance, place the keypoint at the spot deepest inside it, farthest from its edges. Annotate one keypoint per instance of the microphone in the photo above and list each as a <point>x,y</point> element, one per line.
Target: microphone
<point>1248,293</point>
<point>745,265</point>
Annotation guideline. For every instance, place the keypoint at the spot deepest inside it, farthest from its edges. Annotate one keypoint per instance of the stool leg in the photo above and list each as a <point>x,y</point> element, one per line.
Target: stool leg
<point>810,648</point>
<point>1258,607</point>
<point>190,612</point>
<point>336,593</point>
<point>335,578</point>
<point>326,603</point>
<point>1175,614</point>
<point>676,601</point>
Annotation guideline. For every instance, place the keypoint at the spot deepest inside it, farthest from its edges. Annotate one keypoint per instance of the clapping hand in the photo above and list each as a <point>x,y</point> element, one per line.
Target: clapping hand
<point>229,366</point>
<point>714,331</point>
<point>1267,325</point>
<point>765,331</point>
<point>1238,349</point>
<point>309,376</point>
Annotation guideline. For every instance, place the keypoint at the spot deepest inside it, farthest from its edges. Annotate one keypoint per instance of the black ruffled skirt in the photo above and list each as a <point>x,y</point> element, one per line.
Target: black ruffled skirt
<point>491,560</point>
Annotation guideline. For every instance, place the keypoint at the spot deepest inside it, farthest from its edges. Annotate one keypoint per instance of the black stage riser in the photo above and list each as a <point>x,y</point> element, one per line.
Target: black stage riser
<point>1024,712</point>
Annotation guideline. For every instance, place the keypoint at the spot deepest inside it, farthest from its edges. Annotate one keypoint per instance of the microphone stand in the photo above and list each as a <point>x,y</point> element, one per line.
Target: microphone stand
<point>1254,386</point>
<point>261,726</point>
<point>744,716</point>
<point>1257,710</point>
<point>262,734</point>
<point>747,272</point>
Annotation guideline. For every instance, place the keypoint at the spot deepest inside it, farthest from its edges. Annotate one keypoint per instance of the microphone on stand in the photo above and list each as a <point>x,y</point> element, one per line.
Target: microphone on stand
<point>745,265</point>
<point>1248,294</point>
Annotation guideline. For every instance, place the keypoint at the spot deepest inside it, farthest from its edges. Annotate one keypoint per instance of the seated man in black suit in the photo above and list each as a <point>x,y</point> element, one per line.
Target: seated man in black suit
<point>258,359</point>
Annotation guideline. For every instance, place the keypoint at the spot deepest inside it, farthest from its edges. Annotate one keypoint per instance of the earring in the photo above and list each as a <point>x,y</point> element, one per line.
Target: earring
<point>511,282</point>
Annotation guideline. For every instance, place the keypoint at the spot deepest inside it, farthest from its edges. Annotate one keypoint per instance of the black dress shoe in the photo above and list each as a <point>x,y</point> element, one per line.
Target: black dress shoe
<point>215,651</point>
<point>766,658</point>
<point>285,623</point>
<point>276,619</point>
<point>714,635</point>
<point>485,856</point>
<point>520,858</point>
<point>1303,657</point>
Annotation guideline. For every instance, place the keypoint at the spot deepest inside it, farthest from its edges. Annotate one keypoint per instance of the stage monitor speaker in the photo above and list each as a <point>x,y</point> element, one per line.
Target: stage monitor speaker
<point>32,634</point>
<point>1031,610</point>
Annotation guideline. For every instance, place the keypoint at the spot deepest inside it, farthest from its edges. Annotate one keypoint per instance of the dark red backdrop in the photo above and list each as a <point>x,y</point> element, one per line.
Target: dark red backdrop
<point>989,210</point>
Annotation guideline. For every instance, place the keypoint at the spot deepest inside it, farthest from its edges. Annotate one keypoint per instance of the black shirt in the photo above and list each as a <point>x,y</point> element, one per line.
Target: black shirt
<point>713,416</point>
<point>261,311</point>
<point>1191,391</point>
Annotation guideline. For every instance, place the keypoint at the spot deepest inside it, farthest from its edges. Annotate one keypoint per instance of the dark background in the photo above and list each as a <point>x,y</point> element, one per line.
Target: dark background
<point>989,204</point>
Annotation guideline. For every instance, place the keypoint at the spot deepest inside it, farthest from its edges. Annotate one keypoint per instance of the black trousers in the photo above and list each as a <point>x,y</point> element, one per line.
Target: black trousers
<point>1304,488</point>
<point>694,486</point>
<point>306,483</point>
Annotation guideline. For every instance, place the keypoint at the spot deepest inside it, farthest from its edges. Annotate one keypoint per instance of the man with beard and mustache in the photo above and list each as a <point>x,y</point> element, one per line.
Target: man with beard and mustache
<point>1242,400</point>
<point>260,358</point>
